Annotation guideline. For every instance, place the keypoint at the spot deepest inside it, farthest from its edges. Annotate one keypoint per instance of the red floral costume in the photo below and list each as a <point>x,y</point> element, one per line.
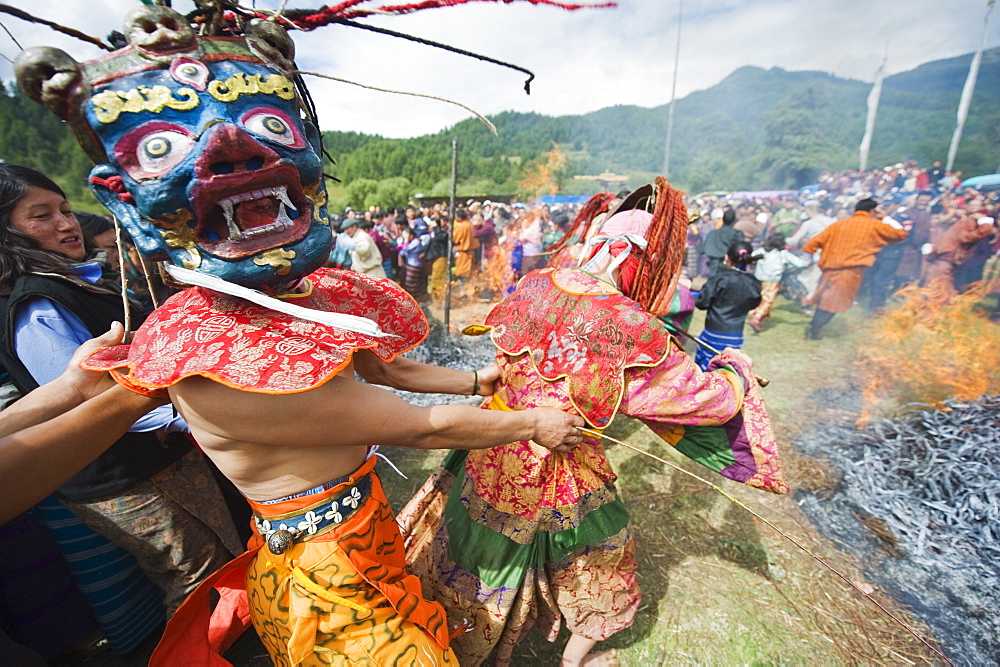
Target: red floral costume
<point>518,535</point>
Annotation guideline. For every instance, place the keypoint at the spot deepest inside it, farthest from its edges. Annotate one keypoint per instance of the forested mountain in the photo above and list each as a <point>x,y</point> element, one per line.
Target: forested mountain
<point>755,129</point>
<point>32,136</point>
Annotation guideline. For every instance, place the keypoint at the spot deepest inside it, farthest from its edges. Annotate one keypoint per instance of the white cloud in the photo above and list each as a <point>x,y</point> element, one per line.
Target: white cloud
<point>583,60</point>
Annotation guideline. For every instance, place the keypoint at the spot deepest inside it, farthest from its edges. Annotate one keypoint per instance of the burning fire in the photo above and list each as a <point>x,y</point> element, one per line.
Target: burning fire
<point>932,346</point>
<point>497,275</point>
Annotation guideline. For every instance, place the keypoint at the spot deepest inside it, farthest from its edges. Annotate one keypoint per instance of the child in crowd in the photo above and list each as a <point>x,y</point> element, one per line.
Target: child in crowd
<point>727,296</point>
<point>771,266</point>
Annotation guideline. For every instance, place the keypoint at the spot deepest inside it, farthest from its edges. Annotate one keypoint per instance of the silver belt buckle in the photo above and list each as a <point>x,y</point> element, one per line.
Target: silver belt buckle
<point>280,541</point>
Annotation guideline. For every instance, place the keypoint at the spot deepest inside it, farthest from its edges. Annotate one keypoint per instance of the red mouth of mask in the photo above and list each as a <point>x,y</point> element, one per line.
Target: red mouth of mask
<point>244,213</point>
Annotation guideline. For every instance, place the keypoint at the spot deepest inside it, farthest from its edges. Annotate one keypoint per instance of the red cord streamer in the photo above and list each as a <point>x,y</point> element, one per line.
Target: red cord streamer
<point>660,266</point>
<point>349,10</point>
<point>596,205</point>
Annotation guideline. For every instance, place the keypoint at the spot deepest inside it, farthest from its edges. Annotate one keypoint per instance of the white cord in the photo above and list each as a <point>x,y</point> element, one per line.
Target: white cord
<point>373,451</point>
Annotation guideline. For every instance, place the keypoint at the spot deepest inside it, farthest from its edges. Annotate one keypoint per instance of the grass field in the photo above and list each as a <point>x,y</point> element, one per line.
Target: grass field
<point>719,587</point>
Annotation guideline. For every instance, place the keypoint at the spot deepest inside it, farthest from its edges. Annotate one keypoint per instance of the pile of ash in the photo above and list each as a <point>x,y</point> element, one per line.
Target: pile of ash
<point>920,500</point>
<point>465,353</point>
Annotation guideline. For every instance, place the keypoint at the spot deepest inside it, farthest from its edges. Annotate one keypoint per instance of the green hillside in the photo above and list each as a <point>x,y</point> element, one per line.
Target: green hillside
<point>755,129</point>
<point>32,136</point>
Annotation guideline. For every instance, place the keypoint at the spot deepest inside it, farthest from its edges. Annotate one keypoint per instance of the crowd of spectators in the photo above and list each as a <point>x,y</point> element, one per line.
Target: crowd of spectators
<point>950,232</point>
<point>943,237</point>
<point>410,245</point>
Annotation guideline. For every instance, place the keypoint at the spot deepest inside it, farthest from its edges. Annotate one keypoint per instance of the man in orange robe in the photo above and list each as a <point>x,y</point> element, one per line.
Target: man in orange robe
<point>849,247</point>
<point>465,242</point>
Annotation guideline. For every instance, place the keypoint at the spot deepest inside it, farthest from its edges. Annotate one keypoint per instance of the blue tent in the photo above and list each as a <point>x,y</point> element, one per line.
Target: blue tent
<point>986,182</point>
<point>551,200</point>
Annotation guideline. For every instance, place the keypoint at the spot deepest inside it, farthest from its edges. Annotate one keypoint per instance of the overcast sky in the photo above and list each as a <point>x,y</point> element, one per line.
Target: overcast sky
<point>583,60</point>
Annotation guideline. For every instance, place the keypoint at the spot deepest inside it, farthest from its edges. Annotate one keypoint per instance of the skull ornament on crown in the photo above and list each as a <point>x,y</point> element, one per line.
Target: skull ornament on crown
<point>202,150</point>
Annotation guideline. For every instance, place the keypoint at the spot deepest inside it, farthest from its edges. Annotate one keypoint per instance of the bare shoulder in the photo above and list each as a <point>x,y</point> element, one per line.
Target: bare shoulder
<point>342,412</point>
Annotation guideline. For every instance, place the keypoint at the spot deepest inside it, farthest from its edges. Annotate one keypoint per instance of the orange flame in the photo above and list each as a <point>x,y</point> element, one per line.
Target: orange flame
<point>932,346</point>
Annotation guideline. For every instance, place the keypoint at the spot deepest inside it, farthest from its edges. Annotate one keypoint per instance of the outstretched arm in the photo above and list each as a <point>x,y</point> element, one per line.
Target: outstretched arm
<point>344,413</point>
<point>409,375</point>
<point>38,460</point>
<point>65,392</point>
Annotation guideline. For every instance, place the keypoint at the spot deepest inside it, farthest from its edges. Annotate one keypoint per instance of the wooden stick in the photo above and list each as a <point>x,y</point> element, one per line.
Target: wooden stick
<point>763,382</point>
<point>127,311</point>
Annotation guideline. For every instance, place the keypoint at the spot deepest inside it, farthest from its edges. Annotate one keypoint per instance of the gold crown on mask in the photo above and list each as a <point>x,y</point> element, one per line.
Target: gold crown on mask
<point>158,37</point>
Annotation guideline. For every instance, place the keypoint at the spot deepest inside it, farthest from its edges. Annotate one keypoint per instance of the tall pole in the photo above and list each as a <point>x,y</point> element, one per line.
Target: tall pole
<point>970,87</point>
<point>873,100</point>
<point>673,94</point>
<point>451,229</point>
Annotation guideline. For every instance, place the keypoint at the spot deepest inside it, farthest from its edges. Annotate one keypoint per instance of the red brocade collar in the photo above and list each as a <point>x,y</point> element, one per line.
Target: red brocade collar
<point>249,347</point>
<point>577,327</point>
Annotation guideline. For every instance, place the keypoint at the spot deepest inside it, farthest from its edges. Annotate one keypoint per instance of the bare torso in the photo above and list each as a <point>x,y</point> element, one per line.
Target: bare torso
<point>254,449</point>
<point>275,445</point>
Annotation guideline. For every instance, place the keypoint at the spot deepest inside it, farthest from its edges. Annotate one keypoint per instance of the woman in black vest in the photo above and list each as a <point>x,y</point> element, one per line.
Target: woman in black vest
<point>151,493</point>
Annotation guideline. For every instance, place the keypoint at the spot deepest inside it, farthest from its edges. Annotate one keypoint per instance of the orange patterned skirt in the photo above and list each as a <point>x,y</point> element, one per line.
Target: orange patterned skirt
<point>838,289</point>
<point>339,595</point>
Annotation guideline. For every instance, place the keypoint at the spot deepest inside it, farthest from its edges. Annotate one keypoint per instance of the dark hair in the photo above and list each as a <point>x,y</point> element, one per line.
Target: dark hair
<point>740,254</point>
<point>868,204</point>
<point>93,225</point>
<point>774,242</point>
<point>728,216</point>
<point>19,253</point>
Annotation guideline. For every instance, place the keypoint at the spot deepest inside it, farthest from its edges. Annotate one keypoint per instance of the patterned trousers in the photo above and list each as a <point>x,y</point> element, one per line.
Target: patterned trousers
<point>176,525</point>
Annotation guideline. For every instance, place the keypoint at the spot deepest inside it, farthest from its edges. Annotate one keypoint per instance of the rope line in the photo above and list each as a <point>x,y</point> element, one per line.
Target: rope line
<point>478,115</point>
<point>439,45</point>
<point>12,38</point>
<point>25,16</point>
<point>123,277</point>
<point>788,537</point>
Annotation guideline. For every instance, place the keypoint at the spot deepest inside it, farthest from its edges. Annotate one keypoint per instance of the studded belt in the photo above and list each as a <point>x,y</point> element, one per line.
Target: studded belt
<point>282,531</point>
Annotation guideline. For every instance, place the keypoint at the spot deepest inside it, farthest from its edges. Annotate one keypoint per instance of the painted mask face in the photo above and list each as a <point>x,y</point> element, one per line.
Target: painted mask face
<point>221,174</point>
<point>209,164</point>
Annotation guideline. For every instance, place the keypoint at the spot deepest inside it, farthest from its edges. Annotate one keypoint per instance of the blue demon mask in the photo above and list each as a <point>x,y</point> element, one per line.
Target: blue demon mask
<point>203,152</point>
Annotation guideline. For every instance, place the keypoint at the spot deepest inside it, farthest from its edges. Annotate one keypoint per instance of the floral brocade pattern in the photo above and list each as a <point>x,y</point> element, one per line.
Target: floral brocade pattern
<point>542,487</point>
<point>593,589</point>
<point>769,475</point>
<point>249,347</point>
<point>575,326</point>
<point>544,517</point>
<point>519,536</point>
